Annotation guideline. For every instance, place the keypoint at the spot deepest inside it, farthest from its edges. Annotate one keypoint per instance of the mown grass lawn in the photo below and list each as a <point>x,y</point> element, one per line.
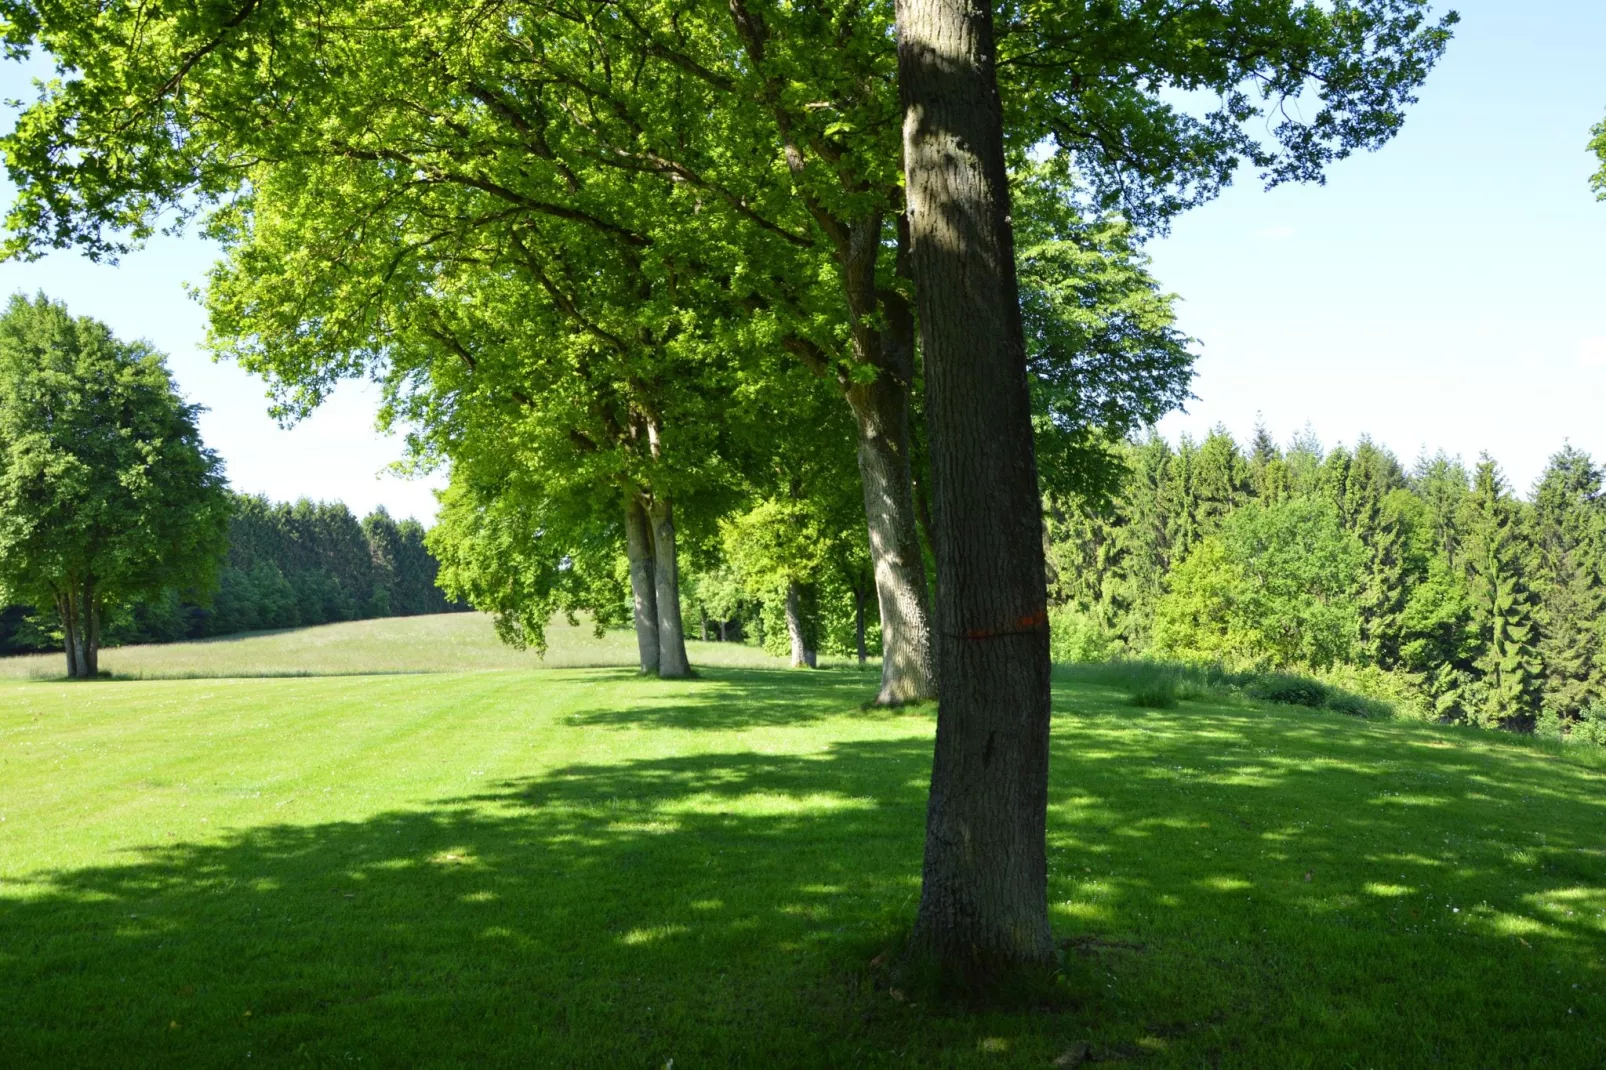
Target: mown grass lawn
<point>581,868</point>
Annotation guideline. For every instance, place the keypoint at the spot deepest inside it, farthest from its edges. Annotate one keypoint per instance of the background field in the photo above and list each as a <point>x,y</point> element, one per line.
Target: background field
<point>584,868</point>
<point>452,642</point>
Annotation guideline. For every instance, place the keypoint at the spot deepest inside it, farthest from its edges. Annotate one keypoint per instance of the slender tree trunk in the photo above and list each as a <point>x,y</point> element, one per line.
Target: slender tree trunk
<point>721,631</point>
<point>90,662</point>
<point>983,904</point>
<point>858,624</point>
<point>643,588</point>
<point>672,660</point>
<point>69,629</point>
<point>802,652</point>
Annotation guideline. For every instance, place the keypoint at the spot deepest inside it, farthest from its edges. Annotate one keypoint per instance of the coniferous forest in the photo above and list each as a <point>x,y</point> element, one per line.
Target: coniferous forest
<point>287,566</point>
<point>1436,586</point>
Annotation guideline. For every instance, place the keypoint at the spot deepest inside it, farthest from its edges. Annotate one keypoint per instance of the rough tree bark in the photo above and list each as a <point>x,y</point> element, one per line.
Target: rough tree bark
<point>639,553</point>
<point>983,904</point>
<point>881,413</point>
<point>672,660</point>
<point>802,653</point>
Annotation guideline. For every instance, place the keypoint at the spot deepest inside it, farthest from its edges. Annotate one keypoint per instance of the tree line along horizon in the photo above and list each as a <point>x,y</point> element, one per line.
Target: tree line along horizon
<point>714,307</point>
<point>1434,587</point>
<point>285,565</point>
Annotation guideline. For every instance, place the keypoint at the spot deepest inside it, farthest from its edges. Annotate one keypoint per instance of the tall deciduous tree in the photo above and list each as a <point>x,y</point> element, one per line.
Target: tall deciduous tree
<point>1274,588</point>
<point>983,901</point>
<point>485,133</point>
<point>106,490</point>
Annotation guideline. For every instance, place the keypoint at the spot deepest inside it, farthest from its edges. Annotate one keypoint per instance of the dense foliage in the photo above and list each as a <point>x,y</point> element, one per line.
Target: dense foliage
<point>1436,585</point>
<point>286,565</point>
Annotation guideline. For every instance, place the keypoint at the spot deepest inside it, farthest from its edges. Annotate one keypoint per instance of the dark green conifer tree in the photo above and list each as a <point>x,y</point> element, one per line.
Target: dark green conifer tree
<point>1502,606</point>
<point>1566,531</point>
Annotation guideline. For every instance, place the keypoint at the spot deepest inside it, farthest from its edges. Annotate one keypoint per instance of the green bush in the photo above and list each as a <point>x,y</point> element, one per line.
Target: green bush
<point>1290,690</point>
<point>1158,692</point>
<point>1591,725</point>
<point>1075,638</point>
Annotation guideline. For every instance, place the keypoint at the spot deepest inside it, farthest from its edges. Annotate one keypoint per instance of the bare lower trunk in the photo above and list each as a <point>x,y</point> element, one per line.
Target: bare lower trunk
<point>702,623</point>
<point>983,903</point>
<point>908,672</point>
<point>69,631</point>
<point>858,625</point>
<point>672,660</point>
<point>79,609</point>
<point>639,553</point>
<point>802,651</point>
<point>721,631</point>
<point>91,656</point>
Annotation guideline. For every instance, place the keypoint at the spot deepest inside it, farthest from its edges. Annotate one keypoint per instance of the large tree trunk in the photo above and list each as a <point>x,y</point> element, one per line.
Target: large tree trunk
<point>984,893</point>
<point>672,660</point>
<point>639,553</point>
<point>802,652</point>
<point>908,672</point>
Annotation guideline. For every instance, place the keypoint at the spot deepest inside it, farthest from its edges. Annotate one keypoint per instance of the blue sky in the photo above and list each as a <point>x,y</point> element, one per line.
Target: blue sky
<point>1448,291</point>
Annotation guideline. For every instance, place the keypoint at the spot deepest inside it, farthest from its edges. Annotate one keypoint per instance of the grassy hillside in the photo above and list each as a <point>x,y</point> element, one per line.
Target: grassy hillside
<point>452,642</point>
<point>581,868</point>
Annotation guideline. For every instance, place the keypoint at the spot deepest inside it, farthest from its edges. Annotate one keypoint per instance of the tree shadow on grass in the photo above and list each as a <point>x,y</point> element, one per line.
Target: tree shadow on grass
<point>721,910</point>
<point>744,698</point>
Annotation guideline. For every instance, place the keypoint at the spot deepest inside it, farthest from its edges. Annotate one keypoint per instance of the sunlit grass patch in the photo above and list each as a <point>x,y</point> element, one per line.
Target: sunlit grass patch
<point>583,868</point>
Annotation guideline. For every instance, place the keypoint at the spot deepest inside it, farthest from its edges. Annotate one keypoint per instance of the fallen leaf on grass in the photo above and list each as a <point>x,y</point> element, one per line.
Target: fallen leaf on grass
<point>1075,1057</point>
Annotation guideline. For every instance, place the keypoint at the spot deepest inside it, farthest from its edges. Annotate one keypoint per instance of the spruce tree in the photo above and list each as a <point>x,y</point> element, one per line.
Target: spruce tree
<point>1268,472</point>
<point>1221,479</point>
<point>1304,459</point>
<point>1440,481</point>
<point>1376,511</point>
<point>1503,609</point>
<point>1566,531</point>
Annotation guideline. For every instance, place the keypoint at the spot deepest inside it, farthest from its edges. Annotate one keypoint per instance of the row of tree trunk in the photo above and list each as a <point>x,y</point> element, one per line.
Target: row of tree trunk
<point>78,605</point>
<point>983,906</point>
